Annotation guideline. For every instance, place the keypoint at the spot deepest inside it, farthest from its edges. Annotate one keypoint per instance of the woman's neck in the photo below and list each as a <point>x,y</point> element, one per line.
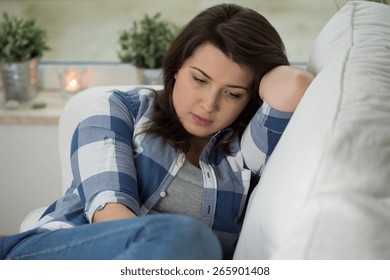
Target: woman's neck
<point>197,146</point>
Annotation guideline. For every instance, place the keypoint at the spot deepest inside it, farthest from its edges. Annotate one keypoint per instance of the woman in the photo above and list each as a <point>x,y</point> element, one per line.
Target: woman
<point>193,151</point>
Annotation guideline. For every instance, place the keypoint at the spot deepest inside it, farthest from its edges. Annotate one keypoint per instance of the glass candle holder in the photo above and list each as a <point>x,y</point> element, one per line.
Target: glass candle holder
<point>72,81</point>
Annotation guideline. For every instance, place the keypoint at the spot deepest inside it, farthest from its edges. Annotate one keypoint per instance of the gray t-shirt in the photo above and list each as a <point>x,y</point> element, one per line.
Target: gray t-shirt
<point>185,194</point>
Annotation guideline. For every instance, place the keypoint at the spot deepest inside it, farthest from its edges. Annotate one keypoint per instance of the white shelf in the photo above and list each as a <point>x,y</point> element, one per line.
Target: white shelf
<point>25,114</point>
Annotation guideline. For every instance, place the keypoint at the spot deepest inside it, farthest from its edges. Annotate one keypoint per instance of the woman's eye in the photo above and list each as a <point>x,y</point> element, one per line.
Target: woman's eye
<point>199,81</point>
<point>232,94</point>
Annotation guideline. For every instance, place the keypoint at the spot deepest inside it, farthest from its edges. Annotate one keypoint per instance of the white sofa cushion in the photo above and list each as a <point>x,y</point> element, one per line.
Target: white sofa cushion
<point>325,193</point>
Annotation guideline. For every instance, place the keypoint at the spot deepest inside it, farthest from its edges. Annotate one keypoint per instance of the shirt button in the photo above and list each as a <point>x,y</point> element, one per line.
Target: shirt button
<point>163,194</point>
<point>109,140</point>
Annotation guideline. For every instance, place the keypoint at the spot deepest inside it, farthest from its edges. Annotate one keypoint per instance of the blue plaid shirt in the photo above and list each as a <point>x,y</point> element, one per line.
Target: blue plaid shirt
<point>113,161</point>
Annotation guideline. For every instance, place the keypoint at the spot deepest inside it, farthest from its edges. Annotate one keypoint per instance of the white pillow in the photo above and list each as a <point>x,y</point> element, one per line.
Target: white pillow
<point>325,193</point>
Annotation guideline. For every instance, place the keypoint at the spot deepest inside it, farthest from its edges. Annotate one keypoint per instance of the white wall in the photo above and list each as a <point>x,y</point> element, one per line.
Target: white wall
<point>29,172</point>
<point>88,30</point>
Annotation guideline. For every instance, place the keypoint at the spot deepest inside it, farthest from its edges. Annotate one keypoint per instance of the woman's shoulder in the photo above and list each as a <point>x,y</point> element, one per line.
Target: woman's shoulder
<point>137,94</point>
<point>137,100</point>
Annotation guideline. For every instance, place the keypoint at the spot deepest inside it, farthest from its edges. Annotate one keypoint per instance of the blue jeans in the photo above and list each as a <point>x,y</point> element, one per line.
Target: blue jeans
<point>156,237</point>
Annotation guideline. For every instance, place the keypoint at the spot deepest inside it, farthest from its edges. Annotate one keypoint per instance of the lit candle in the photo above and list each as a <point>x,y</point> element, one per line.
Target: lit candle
<point>72,84</point>
<point>72,81</point>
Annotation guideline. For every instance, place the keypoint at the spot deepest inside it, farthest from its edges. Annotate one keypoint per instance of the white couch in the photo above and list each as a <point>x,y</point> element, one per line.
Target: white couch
<point>325,191</point>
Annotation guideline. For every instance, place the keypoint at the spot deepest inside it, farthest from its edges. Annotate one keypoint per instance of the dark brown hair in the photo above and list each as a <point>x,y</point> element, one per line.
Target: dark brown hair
<point>241,34</point>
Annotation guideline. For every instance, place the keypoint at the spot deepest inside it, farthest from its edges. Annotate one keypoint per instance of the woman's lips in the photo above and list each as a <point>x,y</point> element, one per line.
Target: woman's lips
<point>199,120</point>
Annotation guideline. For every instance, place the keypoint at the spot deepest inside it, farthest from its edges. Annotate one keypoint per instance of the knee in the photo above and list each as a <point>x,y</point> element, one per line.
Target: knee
<point>169,236</point>
<point>197,237</point>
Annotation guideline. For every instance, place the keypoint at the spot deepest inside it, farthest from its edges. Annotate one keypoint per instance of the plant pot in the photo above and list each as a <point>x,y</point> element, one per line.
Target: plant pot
<point>149,76</point>
<point>19,80</point>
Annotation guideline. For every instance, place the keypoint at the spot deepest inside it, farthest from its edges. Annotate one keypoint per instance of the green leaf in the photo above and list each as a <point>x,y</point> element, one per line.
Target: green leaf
<point>21,39</point>
<point>146,42</point>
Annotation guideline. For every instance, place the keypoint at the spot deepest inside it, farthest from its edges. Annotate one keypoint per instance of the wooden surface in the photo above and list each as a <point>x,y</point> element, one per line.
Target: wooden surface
<point>49,107</point>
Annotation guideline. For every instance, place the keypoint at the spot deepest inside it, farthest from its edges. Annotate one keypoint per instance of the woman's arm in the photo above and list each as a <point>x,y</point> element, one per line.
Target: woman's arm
<point>102,160</point>
<point>112,211</point>
<point>283,87</point>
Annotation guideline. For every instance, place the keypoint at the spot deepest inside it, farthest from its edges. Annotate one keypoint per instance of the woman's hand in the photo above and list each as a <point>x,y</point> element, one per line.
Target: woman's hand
<point>283,87</point>
<point>112,211</point>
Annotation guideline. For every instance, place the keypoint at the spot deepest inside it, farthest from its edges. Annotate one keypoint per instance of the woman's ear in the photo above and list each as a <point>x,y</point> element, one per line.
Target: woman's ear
<point>175,75</point>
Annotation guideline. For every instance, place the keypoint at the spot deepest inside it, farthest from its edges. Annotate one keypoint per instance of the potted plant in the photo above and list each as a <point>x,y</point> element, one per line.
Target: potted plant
<point>145,45</point>
<point>22,42</point>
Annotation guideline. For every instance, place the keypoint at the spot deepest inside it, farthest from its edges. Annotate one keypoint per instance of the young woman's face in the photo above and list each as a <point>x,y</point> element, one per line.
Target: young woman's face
<point>210,91</point>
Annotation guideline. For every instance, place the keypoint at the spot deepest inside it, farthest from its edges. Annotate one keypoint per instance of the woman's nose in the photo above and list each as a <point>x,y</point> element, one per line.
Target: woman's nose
<point>209,101</point>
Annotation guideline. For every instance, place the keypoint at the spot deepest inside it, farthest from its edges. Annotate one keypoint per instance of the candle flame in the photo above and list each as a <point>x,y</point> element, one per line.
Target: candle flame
<point>73,83</point>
